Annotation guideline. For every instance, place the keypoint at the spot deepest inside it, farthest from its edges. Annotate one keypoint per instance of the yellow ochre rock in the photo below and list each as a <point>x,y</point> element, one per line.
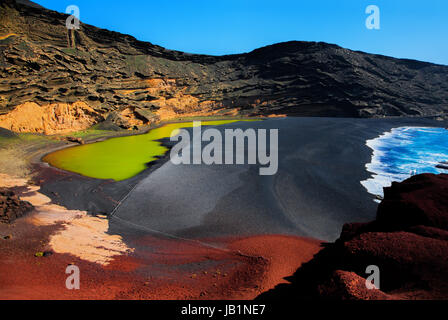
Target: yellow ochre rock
<point>52,118</point>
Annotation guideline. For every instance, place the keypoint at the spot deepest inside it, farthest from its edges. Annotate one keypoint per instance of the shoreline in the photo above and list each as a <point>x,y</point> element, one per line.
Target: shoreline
<point>164,142</point>
<point>380,177</point>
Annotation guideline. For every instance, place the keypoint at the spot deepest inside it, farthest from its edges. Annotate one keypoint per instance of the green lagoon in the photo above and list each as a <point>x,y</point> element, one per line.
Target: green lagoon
<point>118,158</point>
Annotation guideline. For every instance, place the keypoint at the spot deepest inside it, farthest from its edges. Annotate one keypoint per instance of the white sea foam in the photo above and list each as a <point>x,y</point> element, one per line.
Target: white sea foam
<point>398,154</point>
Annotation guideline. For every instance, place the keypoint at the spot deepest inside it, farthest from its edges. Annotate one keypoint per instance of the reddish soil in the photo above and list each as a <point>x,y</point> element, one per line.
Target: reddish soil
<point>239,268</point>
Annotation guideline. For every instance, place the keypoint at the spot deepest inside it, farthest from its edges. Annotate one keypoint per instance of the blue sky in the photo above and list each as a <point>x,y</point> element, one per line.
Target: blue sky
<point>413,29</point>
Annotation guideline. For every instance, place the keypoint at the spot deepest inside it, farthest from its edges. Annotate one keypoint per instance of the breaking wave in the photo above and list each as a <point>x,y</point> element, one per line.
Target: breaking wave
<point>403,152</point>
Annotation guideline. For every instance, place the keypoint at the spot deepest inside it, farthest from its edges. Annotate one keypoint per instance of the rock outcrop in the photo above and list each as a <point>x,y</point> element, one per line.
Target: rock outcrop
<point>408,242</point>
<point>11,207</point>
<point>50,118</point>
<point>42,63</point>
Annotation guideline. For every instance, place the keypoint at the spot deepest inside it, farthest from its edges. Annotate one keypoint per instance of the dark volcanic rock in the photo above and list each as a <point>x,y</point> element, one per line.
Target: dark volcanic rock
<point>111,72</point>
<point>422,200</point>
<point>11,207</point>
<point>75,139</point>
<point>443,165</point>
<point>29,3</point>
<point>408,242</point>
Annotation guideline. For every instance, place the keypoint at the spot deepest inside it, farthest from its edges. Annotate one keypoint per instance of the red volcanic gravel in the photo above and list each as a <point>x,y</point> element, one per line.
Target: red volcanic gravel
<point>241,268</point>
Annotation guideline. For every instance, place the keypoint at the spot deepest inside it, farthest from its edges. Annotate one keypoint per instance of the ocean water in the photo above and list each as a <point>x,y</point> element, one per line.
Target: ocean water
<point>403,152</point>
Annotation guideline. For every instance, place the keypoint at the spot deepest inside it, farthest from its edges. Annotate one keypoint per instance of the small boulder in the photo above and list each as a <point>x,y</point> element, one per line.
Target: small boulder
<point>75,139</point>
<point>11,207</point>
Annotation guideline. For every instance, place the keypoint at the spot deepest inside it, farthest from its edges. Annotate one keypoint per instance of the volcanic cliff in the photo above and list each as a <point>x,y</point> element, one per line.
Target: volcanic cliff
<point>59,80</point>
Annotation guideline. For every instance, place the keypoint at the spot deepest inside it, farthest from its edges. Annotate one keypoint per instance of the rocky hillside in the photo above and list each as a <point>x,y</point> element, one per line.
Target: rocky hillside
<point>58,81</point>
<point>408,242</point>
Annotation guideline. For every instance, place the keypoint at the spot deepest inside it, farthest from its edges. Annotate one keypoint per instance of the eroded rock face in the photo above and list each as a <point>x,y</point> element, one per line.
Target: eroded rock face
<point>110,72</point>
<point>11,207</point>
<point>51,118</point>
<point>408,242</point>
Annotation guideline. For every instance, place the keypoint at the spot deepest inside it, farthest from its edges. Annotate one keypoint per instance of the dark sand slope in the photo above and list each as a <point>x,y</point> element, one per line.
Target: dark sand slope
<point>316,190</point>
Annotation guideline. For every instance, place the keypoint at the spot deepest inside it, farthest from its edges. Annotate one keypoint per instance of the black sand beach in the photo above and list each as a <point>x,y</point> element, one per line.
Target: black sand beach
<point>315,191</point>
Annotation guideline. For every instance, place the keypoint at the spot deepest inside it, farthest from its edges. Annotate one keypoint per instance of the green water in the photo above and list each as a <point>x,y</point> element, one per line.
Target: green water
<point>118,158</point>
